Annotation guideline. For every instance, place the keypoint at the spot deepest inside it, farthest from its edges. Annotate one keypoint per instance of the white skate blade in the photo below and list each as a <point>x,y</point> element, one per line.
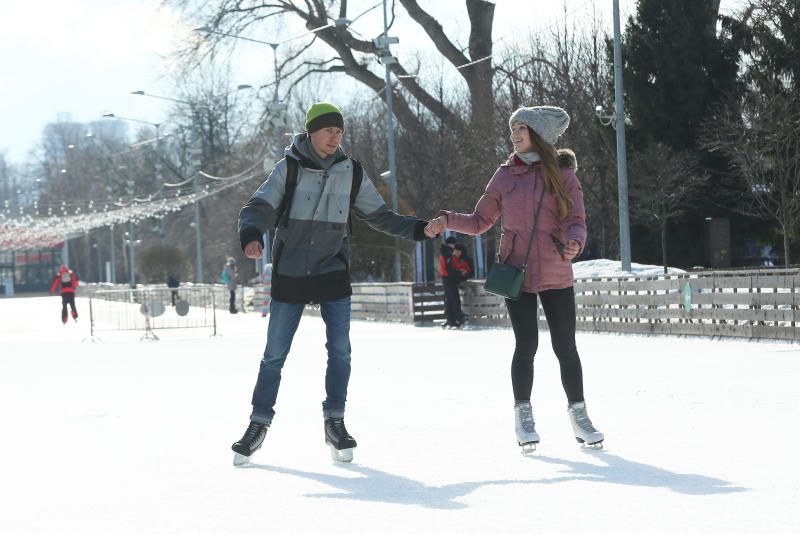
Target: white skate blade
<point>597,445</point>
<point>529,447</point>
<point>341,455</point>
<point>240,459</point>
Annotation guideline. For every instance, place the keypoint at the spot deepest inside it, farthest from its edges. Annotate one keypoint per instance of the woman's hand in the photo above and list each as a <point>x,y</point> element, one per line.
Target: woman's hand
<point>436,226</point>
<point>571,249</point>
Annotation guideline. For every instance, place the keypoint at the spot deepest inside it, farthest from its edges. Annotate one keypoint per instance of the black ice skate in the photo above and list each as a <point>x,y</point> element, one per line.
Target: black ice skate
<point>250,443</point>
<point>339,441</point>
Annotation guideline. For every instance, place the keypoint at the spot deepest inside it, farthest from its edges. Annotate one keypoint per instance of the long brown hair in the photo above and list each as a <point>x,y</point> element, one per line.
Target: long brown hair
<point>551,171</point>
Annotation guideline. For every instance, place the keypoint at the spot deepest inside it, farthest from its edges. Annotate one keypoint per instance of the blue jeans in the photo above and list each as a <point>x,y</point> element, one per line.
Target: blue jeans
<point>283,320</point>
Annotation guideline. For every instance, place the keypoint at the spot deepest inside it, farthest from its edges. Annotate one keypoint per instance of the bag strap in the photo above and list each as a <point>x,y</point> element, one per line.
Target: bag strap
<point>535,225</point>
<point>355,187</point>
<point>282,213</point>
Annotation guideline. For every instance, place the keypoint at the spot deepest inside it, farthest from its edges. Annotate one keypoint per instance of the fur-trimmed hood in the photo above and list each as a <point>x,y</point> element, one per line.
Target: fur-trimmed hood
<point>566,158</point>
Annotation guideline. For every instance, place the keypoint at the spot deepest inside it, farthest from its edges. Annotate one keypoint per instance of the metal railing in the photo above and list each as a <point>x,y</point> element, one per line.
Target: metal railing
<point>152,309</point>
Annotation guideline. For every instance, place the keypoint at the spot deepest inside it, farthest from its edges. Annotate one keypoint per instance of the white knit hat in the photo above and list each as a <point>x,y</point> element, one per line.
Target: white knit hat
<point>549,122</point>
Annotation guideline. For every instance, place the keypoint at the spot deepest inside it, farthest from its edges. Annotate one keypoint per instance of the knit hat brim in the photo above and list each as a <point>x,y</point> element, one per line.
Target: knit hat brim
<point>325,121</point>
<point>323,115</point>
<point>549,122</point>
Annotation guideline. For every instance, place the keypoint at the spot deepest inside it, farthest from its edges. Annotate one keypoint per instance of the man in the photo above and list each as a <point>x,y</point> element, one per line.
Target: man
<point>310,263</point>
<point>173,283</point>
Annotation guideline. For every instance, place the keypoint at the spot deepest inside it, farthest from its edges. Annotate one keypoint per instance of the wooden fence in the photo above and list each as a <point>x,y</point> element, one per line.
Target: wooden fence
<point>759,304</point>
<point>381,302</point>
<point>750,304</point>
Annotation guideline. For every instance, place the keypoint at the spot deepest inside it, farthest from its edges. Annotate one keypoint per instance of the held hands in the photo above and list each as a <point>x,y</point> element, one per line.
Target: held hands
<point>436,226</point>
<point>253,250</point>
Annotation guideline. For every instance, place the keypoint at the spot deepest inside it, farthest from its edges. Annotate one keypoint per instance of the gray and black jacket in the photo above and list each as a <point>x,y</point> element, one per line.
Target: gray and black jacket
<point>311,256</point>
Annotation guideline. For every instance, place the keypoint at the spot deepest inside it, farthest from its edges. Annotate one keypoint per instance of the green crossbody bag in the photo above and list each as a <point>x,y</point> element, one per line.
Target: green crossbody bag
<point>506,280</point>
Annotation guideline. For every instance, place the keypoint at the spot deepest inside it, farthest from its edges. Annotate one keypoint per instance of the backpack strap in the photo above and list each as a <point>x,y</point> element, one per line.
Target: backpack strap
<point>355,187</point>
<point>282,213</point>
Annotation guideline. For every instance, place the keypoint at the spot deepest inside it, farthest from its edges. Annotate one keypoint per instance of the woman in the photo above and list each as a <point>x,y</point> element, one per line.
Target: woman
<point>514,194</point>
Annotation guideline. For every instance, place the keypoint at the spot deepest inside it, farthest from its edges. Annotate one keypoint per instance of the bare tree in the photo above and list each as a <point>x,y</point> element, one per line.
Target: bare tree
<point>662,185</point>
<point>760,136</point>
<point>358,57</point>
<point>356,54</point>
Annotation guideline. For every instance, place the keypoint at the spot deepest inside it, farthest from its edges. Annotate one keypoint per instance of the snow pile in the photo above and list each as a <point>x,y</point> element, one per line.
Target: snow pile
<point>609,268</point>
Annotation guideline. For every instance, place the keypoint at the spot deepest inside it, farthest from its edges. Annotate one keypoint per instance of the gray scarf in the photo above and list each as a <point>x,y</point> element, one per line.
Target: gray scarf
<point>529,157</point>
<point>308,150</point>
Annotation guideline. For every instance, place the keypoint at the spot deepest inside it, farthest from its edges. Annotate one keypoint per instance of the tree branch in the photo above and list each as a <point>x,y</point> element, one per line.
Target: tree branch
<point>435,32</point>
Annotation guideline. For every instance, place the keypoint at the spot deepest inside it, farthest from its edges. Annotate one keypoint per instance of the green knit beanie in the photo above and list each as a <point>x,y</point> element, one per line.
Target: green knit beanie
<point>322,115</point>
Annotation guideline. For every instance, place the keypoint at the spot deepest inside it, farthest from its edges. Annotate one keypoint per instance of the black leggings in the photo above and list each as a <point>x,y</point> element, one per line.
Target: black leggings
<point>68,299</point>
<point>559,309</point>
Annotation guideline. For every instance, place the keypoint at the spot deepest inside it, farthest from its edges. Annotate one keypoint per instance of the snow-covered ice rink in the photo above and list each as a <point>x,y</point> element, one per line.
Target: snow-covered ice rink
<point>122,436</point>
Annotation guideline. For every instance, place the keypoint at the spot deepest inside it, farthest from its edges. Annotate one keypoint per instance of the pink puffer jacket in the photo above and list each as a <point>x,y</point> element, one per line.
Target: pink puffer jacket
<point>512,195</point>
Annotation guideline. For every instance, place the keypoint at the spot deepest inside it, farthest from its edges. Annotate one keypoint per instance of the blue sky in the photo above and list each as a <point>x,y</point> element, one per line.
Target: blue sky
<point>84,57</point>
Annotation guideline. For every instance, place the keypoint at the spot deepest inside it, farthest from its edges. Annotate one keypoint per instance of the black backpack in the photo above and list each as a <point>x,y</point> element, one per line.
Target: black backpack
<point>292,167</point>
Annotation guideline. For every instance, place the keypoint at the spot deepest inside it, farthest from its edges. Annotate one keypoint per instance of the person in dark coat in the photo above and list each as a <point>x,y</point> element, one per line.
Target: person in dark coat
<point>454,270</point>
<point>174,284</point>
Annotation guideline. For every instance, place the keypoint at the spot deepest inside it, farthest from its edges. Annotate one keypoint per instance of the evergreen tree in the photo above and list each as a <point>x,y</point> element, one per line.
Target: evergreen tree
<point>676,68</point>
<point>768,34</point>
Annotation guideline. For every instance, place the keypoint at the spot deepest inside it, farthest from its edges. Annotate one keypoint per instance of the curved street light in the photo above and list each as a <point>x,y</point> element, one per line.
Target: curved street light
<point>132,242</point>
<point>197,228</point>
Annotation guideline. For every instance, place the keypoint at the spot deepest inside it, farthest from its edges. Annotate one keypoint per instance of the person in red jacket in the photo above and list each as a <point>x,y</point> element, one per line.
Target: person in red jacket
<point>68,282</point>
<point>454,268</point>
<point>537,170</point>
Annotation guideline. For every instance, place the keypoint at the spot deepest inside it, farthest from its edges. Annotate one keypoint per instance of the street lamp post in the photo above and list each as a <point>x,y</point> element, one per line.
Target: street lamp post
<point>132,236</point>
<point>194,153</point>
<point>195,162</point>
<point>622,165</point>
<point>132,243</point>
<point>616,120</point>
<point>382,45</point>
<point>195,167</point>
<point>90,137</point>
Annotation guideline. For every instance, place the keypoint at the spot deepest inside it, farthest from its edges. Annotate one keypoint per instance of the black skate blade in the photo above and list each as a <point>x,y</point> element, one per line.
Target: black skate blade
<point>529,447</point>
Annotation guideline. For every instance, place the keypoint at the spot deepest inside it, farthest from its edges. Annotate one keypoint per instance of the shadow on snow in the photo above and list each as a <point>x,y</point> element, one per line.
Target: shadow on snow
<point>618,470</point>
<point>380,486</point>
